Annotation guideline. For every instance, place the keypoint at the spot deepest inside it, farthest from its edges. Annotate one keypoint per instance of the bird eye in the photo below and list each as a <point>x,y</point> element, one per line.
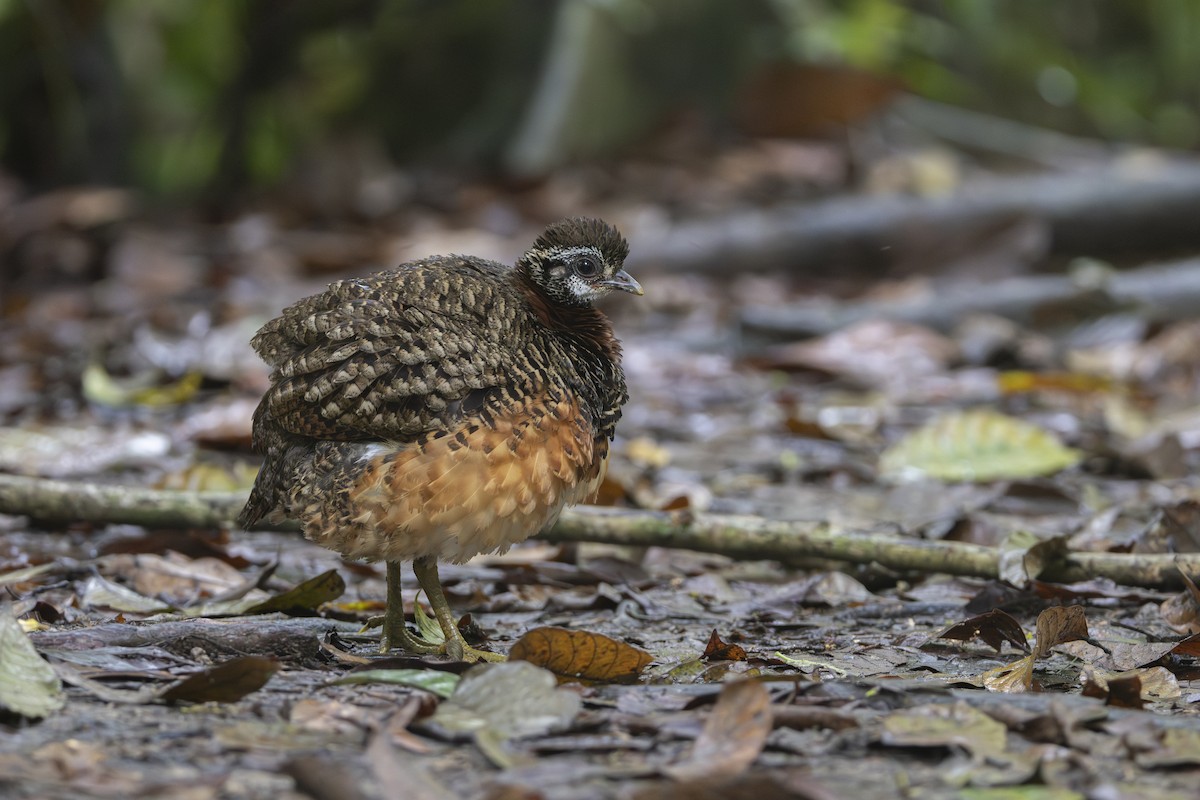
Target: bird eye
<point>586,267</point>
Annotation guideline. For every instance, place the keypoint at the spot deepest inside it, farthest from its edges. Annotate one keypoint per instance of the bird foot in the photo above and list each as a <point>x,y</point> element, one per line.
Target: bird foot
<point>472,655</point>
<point>396,635</point>
<point>401,638</point>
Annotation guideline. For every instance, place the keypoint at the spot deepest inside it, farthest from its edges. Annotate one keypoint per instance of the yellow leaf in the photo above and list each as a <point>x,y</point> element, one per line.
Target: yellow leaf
<point>976,445</point>
<point>1012,678</point>
<point>100,387</point>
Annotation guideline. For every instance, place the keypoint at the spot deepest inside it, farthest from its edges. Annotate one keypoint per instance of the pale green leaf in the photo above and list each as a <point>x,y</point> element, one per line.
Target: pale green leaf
<point>440,683</point>
<point>976,445</point>
<point>28,685</point>
<point>509,700</point>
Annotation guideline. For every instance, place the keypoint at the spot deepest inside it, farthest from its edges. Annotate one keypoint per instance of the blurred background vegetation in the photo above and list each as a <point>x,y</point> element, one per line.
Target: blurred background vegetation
<point>211,97</point>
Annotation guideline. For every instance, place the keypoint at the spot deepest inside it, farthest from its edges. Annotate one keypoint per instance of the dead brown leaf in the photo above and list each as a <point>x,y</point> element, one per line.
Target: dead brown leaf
<point>717,650</point>
<point>1130,689</point>
<point>1123,690</point>
<point>1023,556</point>
<point>305,597</point>
<point>1182,612</point>
<point>580,654</point>
<point>225,683</point>
<point>733,735</point>
<point>1055,626</point>
<point>1058,625</point>
<point>994,628</point>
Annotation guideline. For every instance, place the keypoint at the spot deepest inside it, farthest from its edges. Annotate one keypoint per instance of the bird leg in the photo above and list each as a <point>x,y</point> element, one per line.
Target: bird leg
<point>426,570</point>
<point>395,631</point>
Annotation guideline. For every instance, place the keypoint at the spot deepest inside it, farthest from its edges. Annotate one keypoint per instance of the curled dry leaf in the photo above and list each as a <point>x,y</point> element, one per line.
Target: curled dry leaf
<point>1055,626</point>
<point>1130,689</point>
<point>993,628</point>
<point>1122,691</point>
<point>1025,556</point>
<point>733,735</point>
<point>225,683</point>
<point>580,654</point>
<point>875,353</point>
<point>1058,625</point>
<point>1182,611</point>
<point>717,650</point>
<point>1011,678</point>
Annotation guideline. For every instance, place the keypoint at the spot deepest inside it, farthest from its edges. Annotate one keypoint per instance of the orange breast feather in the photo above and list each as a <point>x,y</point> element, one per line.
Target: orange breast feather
<point>473,490</point>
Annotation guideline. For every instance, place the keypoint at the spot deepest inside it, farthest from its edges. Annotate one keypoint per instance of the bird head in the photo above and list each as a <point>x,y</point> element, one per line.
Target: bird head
<point>577,261</point>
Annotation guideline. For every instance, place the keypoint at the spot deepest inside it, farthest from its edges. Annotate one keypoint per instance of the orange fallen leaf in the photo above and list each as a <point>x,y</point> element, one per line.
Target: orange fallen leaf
<point>717,650</point>
<point>580,654</point>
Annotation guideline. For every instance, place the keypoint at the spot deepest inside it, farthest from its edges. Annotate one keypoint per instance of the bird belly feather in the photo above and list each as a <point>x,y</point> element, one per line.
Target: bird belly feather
<point>457,493</point>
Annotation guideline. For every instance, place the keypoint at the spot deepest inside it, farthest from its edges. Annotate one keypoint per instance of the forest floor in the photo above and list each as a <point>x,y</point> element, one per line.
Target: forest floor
<point>125,360</point>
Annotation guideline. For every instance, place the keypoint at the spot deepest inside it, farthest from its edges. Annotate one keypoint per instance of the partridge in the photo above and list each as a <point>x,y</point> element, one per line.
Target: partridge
<point>448,407</point>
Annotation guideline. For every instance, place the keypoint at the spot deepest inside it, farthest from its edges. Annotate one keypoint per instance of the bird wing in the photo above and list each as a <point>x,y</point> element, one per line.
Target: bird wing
<point>389,357</point>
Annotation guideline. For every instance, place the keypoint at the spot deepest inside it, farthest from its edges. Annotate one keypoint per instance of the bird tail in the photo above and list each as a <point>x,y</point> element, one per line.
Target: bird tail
<point>262,500</point>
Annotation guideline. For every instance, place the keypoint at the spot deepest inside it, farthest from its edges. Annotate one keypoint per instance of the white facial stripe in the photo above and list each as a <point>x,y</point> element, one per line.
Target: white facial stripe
<point>580,288</point>
<point>571,253</point>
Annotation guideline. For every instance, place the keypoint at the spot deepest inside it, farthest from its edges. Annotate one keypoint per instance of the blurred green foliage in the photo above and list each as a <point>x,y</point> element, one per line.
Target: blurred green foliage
<point>178,96</point>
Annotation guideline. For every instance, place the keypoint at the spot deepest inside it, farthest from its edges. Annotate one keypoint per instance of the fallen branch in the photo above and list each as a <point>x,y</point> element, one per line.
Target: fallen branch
<point>60,502</point>
<point>1142,208</point>
<point>1169,291</point>
<point>741,537</point>
<point>295,641</point>
<point>748,538</point>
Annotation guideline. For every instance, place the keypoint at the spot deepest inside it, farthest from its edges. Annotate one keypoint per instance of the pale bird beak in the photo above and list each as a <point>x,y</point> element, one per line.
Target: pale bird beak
<point>625,282</point>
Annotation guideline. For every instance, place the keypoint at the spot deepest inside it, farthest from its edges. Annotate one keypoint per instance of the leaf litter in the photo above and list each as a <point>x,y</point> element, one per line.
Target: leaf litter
<point>659,673</point>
